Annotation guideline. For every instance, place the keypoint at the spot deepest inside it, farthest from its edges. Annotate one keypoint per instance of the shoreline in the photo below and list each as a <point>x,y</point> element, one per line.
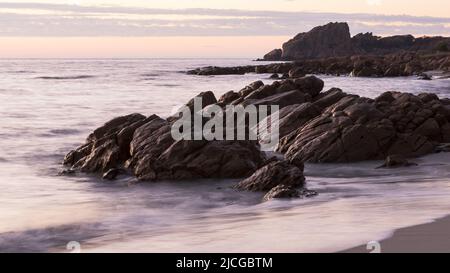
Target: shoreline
<point>431,237</point>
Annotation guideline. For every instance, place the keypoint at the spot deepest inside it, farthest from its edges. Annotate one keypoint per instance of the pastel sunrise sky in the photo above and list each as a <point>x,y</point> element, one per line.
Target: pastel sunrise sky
<point>196,28</point>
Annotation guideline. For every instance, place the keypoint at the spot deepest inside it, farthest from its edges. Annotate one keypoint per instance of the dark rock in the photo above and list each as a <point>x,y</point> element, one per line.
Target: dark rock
<point>443,148</point>
<point>274,76</point>
<point>208,98</point>
<point>112,174</point>
<point>284,192</point>
<point>273,175</point>
<point>282,100</point>
<point>274,55</point>
<point>330,40</point>
<point>296,72</point>
<point>67,172</point>
<point>229,97</point>
<point>424,77</point>
<point>281,191</point>
<point>334,40</point>
<point>310,85</point>
<point>396,161</point>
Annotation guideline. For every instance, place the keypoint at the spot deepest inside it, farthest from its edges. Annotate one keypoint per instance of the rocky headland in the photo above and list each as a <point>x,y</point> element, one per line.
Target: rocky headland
<point>330,49</point>
<point>334,40</point>
<point>315,126</point>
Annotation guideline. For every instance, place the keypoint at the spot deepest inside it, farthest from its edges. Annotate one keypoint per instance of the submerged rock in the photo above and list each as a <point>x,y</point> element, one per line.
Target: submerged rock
<point>396,161</point>
<point>112,174</point>
<point>281,191</point>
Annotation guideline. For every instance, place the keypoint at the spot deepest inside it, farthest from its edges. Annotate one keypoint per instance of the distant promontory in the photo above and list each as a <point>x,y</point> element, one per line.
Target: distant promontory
<point>334,40</point>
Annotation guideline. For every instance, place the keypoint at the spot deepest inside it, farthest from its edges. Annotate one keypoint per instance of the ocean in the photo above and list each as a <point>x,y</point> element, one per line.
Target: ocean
<point>49,106</point>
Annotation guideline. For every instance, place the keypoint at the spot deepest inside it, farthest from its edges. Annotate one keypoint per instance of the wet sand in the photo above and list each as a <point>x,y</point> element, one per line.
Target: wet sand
<point>427,238</point>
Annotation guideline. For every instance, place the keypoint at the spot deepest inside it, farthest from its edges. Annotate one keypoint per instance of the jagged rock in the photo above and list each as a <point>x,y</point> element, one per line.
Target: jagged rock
<point>146,147</point>
<point>393,123</point>
<point>282,100</point>
<point>272,175</point>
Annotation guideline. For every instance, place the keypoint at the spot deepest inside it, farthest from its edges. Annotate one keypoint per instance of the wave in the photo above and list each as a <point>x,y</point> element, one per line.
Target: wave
<point>150,75</point>
<point>49,239</point>
<point>21,72</point>
<point>77,77</point>
<point>64,131</point>
<point>167,85</point>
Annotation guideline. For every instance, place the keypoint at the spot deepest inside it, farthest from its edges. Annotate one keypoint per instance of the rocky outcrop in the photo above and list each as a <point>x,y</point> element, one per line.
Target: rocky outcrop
<point>144,146</point>
<point>334,40</point>
<point>274,55</point>
<point>314,126</point>
<point>332,126</point>
<point>391,65</point>
<point>351,128</point>
<point>331,40</point>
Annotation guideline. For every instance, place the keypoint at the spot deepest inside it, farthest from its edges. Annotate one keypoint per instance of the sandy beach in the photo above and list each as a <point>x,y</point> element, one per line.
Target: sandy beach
<point>427,238</point>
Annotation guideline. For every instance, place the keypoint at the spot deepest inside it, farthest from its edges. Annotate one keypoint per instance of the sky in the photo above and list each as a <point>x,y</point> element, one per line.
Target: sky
<point>197,28</point>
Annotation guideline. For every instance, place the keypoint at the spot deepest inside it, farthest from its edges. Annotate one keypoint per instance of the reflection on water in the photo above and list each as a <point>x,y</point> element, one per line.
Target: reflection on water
<point>40,211</point>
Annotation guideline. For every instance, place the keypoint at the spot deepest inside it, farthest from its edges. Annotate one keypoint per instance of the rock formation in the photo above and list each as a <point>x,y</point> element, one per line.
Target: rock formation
<point>315,126</point>
<point>334,40</point>
<point>390,65</point>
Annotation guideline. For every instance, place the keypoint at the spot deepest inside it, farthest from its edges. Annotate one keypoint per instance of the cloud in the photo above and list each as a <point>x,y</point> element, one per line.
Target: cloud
<point>57,20</point>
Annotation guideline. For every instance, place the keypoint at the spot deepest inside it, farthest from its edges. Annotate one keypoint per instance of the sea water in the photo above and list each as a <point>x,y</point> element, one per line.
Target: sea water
<point>48,107</point>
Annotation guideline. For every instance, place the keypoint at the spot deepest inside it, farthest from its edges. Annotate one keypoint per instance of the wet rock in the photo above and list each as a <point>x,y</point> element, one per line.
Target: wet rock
<point>396,161</point>
<point>424,77</point>
<point>443,148</point>
<point>281,191</point>
<point>112,174</point>
<point>273,175</point>
<point>286,192</point>
<point>67,172</point>
<point>274,76</point>
<point>155,155</point>
<point>296,72</point>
